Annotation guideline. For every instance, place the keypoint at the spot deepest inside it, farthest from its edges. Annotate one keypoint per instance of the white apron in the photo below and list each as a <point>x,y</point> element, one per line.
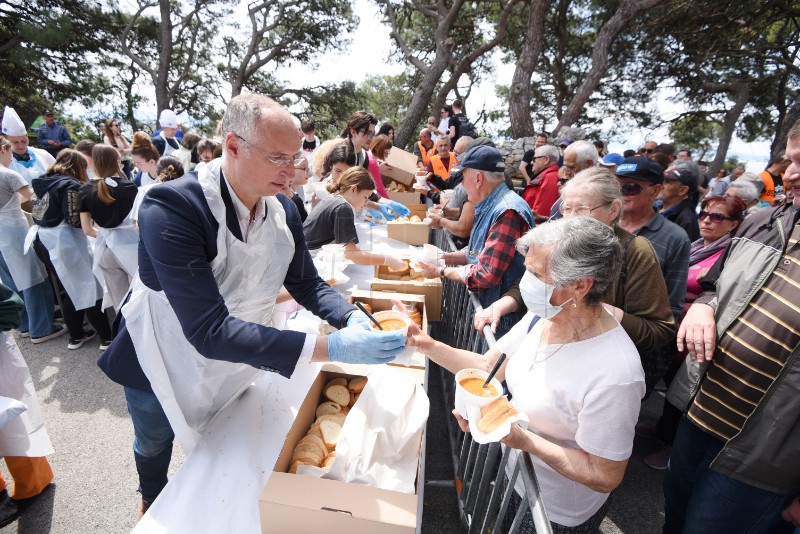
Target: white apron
<point>71,256</point>
<point>193,389</point>
<point>123,242</point>
<point>24,435</point>
<point>26,269</point>
<point>40,159</point>
<point>168,149</point>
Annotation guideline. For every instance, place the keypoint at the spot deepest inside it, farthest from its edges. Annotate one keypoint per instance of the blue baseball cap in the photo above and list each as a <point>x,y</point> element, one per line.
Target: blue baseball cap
<point>612,159</point>
<point>482,158</point>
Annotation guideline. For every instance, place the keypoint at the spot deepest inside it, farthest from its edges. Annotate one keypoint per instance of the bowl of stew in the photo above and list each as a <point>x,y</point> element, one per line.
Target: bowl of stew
<point>470,390</point>
<point>391,320</point>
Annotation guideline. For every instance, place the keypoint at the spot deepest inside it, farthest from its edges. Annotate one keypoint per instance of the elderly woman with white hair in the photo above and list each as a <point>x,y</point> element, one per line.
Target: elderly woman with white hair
<point>749,188</point>
<point>571,368</point>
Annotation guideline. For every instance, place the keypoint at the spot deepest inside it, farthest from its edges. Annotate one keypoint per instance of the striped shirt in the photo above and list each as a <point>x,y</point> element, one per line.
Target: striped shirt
<point>753,350</point>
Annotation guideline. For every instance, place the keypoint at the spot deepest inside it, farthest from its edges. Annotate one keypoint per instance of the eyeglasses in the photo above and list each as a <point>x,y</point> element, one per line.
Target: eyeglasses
<point>715,217</point>
<point>648,151</point>
<point>579,210</point>
<point>278,162</point>
<point>630,189</point>
<point>563,181</point>
<point>538,157</point>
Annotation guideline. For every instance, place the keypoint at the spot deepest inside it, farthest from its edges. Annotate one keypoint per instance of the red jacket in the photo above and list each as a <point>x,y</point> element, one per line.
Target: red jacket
<point>542,192</point>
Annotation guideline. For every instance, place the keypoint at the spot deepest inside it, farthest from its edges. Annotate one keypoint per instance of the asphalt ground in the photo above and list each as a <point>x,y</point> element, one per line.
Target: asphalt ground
<point>95,475</point>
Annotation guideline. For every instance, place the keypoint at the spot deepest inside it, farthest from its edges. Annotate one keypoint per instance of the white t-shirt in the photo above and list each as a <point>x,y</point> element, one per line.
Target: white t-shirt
<point>586,396</point>
<point>137,202</point>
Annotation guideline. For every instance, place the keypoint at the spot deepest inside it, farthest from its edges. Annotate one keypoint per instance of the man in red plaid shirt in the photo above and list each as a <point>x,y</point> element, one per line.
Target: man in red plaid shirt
<point>489,264</point>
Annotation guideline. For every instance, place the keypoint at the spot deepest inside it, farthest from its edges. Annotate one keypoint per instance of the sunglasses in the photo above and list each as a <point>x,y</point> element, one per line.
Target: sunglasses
<point>715,217</point>
<point>630,189</point>
<point>648,151</point>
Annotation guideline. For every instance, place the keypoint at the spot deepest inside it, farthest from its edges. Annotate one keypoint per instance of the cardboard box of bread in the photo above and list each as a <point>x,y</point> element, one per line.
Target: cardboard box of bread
<point>403,164</point>
<point>407,280</point>
<point>292,503</point>
<point>404,194</point>
<point>410,229</point>
<point>375,301</point>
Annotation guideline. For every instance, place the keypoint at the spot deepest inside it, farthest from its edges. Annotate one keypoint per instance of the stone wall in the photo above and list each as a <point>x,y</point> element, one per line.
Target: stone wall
<point>512,152</point>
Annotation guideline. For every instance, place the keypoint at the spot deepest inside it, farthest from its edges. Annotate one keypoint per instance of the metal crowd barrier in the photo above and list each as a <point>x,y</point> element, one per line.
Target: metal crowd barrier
<point>480,470</point>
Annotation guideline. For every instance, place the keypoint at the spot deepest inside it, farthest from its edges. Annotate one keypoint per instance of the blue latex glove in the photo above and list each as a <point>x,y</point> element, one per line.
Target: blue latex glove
<point>386,212</point>
<point>399,209</point>
<point>359,318</point>
<point>353,344</point>
<point>375,214</point>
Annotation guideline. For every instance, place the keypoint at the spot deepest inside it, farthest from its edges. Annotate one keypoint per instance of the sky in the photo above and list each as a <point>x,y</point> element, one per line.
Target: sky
<point>368,54</point>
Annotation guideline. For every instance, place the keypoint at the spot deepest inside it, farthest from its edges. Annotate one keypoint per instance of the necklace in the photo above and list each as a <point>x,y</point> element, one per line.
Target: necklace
<point>575,337</point>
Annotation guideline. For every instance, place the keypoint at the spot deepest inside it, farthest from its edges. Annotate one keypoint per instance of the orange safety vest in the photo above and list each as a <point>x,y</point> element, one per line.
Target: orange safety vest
<point>769,186</point>
<point>426,154</point>
<point>438,166</point>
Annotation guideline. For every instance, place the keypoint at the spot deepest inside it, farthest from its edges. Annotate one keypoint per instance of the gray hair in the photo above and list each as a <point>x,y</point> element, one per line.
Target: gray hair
<point>753,179</point>
<point>463,142</point>
<point>584,150</point>
<point>444,137</point>
<point>425,132</point>
<point>687,165</point>
<point>580,247</point>
<point>746,190</point>
<point>494,177</point>
<point>550,151</point>
<point>599,183</point>
<point>241,116</point>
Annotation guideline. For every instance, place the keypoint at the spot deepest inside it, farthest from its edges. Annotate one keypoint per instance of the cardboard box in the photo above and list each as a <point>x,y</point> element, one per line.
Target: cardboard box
<point>403,164</point>
<point>430,288</point>
<point>407,198</point>
<point>413,233</point>
<point>301,504</point>
<point>381,300</point>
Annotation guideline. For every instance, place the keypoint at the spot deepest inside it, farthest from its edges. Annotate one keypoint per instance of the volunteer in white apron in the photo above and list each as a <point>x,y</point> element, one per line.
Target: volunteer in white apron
<point>24,442</point>
<point>107,202</point>
<point>65,250</point>
<point>29,162</point>
<point>22,272</point>
<point>215,251</point>
<point>165,141</point>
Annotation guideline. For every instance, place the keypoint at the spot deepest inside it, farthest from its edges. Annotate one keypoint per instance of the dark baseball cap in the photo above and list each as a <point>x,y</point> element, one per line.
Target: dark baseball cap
<point>641,168</point>
<point>685,177</point>
<point>483,158</point>
<point>47,112</point>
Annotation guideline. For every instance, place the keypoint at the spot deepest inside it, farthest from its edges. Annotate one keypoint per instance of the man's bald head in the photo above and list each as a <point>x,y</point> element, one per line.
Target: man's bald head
<point>250,116</point>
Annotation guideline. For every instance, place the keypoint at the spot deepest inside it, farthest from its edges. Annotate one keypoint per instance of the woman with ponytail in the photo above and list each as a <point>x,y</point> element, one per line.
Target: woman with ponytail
<point>168,168</point>
<point>105,205</point>
<point>333,220</point>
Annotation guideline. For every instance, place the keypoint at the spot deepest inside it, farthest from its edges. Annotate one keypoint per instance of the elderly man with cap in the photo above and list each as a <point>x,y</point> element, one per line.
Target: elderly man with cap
<point>214,252</point>
<point>164,140</point>
<point>489,264</point>
<point>641,180</point>
<point>28,161</point>
<point>53,137</point>
<point>610,161</point>
<point>678,186</point>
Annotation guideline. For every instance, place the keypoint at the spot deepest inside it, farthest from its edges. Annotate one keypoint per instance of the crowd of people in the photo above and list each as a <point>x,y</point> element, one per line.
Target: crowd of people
<point>602,275</point>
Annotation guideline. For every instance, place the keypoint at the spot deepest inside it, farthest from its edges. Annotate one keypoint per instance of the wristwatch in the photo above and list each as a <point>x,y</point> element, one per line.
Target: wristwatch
<point>441,272</point>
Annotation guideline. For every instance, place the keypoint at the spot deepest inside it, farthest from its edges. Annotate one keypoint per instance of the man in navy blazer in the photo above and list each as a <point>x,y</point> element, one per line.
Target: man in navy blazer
<point>179,242</point>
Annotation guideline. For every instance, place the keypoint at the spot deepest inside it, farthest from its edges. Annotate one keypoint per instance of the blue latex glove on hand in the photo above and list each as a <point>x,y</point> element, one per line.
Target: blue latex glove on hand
<point>353,344</point>
<point>386,212</point>
<point>359,318</point>
<point>399,209</point>
<point>375,214</point>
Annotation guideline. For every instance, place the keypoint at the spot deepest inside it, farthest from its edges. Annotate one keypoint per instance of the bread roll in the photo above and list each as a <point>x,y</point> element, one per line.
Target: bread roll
<point>328,461</point>
<point>495,414</point>
<point>314,431</point>
<point>312,449</point>
<point>310,458</point>
<point>337,417</point>
<point>338,394</point>
<point>356,385</point>
<point>330,433</point>
<point>415,218</point>
<point>367,307</point>
<point>341,381</point>
<point>328,407</point>
<point>315,441</point>
<point>345,410</point>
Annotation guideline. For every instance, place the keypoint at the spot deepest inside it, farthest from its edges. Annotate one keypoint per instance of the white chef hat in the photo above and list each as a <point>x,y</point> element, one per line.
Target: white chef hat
<point>12,124</point>
<point>168,119</point>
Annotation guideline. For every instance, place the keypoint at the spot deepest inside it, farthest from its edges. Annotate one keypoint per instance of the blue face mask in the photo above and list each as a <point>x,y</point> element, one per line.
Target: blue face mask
<point>536,295</point>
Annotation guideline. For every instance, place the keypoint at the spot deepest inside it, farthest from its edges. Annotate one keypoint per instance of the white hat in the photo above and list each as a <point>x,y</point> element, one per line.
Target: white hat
<point>168,119</point>
<point>12,124</point>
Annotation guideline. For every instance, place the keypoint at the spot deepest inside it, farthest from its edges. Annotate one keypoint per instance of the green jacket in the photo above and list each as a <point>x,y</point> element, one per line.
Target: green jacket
<point>766,452</point>
<point>11,307</point>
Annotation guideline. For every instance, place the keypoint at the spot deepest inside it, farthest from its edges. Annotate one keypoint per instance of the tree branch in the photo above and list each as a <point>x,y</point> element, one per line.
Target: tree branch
<point>124,39</point>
